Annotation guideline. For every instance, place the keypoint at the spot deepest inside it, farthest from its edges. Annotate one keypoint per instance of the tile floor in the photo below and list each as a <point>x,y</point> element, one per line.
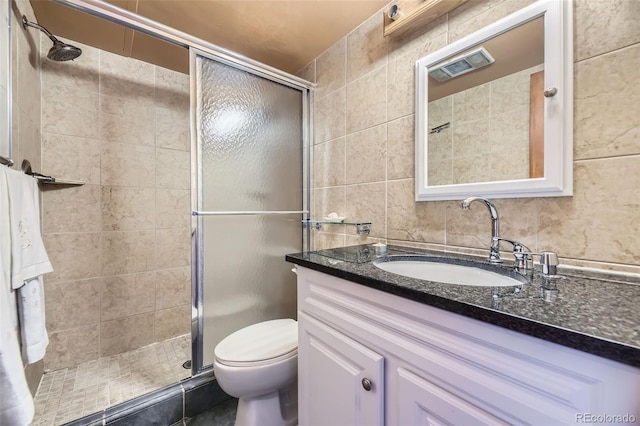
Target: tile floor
<point>70,393</point>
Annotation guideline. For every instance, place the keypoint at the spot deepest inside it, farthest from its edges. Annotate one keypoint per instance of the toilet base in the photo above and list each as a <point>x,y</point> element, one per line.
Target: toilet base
<point>278,408</point>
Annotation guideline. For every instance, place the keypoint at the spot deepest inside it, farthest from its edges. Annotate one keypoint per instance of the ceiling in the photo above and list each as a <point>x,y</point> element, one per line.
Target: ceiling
<point>286,34</point>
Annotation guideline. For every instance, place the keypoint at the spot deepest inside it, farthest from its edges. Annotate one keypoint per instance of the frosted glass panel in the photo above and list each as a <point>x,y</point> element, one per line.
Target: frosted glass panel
<point>251,138</point>
<point>250,146</point>
<point>246,277</point>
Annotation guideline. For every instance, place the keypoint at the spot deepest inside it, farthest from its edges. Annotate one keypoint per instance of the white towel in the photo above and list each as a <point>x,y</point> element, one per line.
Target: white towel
<point>16,403</point>
<point>29,261</point>
<point>28,256</point>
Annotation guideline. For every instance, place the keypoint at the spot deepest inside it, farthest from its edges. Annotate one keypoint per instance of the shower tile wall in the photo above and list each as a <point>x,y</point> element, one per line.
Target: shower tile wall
<point>364,141</point>
<point>120,245</point>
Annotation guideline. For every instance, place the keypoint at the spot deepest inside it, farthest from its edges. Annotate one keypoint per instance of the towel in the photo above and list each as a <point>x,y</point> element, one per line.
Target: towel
<point>16,403</point>
<point>33,331</point>
<point>28,256</point>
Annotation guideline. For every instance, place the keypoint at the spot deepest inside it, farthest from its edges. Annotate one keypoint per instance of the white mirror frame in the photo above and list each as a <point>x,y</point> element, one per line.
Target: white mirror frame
<point>558,110</point>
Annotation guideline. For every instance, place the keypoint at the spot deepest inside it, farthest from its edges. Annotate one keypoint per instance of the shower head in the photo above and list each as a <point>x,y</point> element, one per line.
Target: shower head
<point>60,51</point>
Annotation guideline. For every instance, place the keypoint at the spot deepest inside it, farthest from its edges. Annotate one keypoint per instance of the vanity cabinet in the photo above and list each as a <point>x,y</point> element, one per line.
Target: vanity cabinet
<point>430,366</point>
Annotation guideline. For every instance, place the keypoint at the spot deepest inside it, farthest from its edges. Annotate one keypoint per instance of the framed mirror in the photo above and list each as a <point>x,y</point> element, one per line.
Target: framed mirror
<point>494,110</point>
<point>5,81</point>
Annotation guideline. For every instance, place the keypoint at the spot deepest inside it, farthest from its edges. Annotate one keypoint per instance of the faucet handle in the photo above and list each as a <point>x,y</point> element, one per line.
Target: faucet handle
<point>549,262</point>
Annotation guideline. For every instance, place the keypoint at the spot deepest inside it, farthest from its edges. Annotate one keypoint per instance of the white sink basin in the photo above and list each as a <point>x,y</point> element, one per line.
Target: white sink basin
<point>424,268</point>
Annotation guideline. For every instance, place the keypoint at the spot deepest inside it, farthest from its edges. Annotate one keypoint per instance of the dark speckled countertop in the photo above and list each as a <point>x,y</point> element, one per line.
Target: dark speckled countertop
<point>593,312</point>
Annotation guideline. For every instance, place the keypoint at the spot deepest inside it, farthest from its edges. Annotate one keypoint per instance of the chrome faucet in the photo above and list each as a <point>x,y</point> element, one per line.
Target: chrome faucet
<point>523,255</point>
<point>494,250</point>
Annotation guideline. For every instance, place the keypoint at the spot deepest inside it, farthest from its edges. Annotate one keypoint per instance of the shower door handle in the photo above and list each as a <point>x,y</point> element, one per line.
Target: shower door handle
<point>247,212</point>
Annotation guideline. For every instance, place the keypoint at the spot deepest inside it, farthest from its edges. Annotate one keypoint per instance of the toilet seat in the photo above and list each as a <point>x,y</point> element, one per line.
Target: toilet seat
<point>264,343</point>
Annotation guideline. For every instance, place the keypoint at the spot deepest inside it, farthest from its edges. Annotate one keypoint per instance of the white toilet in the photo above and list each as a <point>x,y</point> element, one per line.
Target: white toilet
<point>259,365</point>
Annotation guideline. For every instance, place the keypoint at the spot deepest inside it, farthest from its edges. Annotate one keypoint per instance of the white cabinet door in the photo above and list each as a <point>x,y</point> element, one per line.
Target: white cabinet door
<point>421,402</point>
<point>332,368</point>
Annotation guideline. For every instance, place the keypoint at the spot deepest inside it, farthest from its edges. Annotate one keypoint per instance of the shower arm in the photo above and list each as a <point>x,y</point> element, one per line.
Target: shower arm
<point>26,23</point>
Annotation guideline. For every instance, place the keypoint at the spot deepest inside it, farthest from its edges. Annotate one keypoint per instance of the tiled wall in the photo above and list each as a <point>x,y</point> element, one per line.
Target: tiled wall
<point>364,141</point>
<point>488,135</point>
<point>25,85</point>
<point>119,245</point>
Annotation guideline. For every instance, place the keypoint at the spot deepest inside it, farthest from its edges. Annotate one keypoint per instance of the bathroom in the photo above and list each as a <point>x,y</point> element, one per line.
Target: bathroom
<point>594,228</point>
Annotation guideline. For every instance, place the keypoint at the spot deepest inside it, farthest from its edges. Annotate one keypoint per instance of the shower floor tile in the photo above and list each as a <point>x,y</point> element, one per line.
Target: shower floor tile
<point>70,393</point>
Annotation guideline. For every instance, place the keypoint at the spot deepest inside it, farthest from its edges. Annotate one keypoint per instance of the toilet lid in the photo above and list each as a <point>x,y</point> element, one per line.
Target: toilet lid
<point>259,342</point>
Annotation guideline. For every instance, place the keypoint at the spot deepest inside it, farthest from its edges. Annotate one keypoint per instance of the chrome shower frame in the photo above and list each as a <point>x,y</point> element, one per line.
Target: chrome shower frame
<point>149,27</point>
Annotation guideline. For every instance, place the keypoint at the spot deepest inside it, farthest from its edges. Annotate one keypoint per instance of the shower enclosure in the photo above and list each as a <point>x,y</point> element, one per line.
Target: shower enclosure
<point>249,198</point>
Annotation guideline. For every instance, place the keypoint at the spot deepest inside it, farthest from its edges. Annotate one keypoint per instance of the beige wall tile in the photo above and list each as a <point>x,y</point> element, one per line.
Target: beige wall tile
<point>308,72</point>
<point>367,203</point>
<point>472,104</point>
<point>173,288</point>
<point>366,154</point>
<point>329,116</point>
<point>128,208</point>
<point>71,157</point>
<point>172,128</point>
<point>127,252</point>
<point>173,248</point>
<point>72,304</point>
<point>326,240</point>
<point>126,77</point>
<point>74,256</point>
<point>176,83</point>
<point>607,122</point>
<point>366,48</point>
<point>173,169</point>
<point>81,74</point>
<point>468,139</point>
<point>71,347</point>
<point>367,101</point>
<point>601,221</point>
<point>128,165</point>
<point>595,22</point>
<point>125,334</point>
<point>328,200</point>
<point>127,120</point>
<point>401,148</point>
<point>330,69</point>
<point>475,15</point>
<point>511,92</point>
<point>74,209</point>
<point>71,113</point>
<point>329,163</point>
<point>421,39</point>
<point>401,89</point>
<point>411,220</point>
<point>172,322</point>
<point>127,295</point>
<point>173,208</point>
<point>29,136</point>
<point>354,240</point>
<point>440,172</point>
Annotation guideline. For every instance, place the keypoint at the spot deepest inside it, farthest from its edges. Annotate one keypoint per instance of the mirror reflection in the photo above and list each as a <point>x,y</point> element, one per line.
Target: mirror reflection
<point>485,110</point>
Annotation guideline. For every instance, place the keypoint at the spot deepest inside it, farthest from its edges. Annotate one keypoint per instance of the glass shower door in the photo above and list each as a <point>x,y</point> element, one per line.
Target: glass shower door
<point>249,198</point>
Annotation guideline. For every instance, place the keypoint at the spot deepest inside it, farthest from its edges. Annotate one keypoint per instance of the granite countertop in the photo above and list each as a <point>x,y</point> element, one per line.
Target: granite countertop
<point>590,311</point>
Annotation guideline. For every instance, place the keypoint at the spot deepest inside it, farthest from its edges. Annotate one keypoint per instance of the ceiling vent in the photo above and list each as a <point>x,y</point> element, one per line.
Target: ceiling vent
<point>461,65</point>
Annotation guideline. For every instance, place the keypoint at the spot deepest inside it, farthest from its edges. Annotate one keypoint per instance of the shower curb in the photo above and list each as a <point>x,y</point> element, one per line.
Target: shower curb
<point>166,406</point>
